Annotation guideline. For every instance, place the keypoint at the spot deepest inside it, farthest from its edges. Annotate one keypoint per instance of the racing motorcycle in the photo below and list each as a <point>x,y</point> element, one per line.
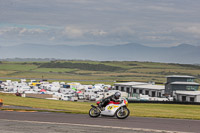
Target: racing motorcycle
<point>118,109</point>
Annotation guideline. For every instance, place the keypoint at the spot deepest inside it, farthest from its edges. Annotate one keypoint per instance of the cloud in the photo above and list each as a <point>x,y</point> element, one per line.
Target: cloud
<point>52,38</point>
<point>166,9</point>
<point>25,31</point>
<point>16,31</point>
<point>189,29</point>
<point>149,22</point>
<point>98,32</point>
<point>73,32</point>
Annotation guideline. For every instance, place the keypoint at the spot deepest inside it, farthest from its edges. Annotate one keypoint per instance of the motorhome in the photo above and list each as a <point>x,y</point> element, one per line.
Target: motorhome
<point>68,98</point>
<point>66,91</point>
<point>80,96</point>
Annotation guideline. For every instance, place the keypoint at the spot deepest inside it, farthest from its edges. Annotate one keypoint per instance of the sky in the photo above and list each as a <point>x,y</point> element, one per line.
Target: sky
<point>155,23</point>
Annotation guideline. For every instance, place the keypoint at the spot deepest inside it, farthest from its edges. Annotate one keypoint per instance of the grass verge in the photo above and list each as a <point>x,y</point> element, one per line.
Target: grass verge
<point>136,109</point>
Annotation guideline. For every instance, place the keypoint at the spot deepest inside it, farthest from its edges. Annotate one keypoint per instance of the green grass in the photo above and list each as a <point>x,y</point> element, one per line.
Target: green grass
<point>73,107</point>
<point>131,71</point>
<point>63,70</point>
<point>166,111</point>
<point>17,67</point>
<point>136,109</point>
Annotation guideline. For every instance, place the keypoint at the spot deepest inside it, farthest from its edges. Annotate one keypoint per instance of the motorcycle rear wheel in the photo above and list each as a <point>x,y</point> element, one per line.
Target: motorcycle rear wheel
<point>94,112</point>
<point>122,113</point>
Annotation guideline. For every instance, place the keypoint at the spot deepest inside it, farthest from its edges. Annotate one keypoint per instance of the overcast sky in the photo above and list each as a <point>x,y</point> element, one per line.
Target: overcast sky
<point>160,23</point>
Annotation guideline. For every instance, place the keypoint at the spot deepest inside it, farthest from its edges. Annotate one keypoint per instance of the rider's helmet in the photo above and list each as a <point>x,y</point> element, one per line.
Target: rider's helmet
<point>117,95</point>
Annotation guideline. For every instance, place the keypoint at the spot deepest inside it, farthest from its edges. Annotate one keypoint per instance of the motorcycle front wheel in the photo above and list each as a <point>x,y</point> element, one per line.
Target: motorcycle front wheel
<point>122,113</point>
<point>94,112</point>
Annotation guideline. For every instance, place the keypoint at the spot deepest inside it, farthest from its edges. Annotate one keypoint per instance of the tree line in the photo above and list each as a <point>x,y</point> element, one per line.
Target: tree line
<point>81,66</point>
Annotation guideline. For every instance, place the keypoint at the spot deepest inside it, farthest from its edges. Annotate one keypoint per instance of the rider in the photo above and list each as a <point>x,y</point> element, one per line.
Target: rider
<point>114,98</point>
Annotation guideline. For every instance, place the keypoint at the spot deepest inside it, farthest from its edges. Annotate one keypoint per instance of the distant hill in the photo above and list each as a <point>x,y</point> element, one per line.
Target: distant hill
<point>184,53</point>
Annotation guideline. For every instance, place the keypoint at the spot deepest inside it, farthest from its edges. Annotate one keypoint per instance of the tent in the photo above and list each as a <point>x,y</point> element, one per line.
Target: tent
<point>78,91</point>
<point>74,88</point>
<point>42,90</point>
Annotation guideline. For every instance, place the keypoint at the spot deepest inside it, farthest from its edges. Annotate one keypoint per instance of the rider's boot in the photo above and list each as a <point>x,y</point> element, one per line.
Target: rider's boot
<point>100,106</point>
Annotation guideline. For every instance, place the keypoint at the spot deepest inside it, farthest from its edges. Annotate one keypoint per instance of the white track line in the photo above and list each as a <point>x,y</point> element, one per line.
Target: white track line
<point>97,126</point>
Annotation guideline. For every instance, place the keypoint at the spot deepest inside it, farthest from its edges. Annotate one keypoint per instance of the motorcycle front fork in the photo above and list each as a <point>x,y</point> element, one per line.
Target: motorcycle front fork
<point>122,109</point>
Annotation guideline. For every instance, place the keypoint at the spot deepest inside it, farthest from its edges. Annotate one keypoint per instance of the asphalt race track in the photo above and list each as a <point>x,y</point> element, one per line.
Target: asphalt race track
<point>47,122</point>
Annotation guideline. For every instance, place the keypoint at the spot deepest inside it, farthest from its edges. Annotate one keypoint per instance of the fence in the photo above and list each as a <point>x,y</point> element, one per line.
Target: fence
<point>165,102</point>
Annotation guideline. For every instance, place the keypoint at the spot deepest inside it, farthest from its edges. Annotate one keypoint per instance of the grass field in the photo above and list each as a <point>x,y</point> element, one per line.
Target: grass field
<point>128,71</point>
<point>136,109</point>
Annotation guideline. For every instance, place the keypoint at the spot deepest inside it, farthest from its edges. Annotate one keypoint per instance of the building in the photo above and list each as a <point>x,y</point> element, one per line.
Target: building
<point>127,87</point>
<point>133,88</point>
<point>150,90</point>
<point>180,83</point>
<point>187,96</point>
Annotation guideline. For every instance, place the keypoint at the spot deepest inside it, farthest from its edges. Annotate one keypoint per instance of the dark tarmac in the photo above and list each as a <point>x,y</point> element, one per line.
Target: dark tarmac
<point>47,122</point>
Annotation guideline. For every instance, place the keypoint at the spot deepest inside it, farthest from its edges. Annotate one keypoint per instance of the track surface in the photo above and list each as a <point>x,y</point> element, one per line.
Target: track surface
<point>51,122</point>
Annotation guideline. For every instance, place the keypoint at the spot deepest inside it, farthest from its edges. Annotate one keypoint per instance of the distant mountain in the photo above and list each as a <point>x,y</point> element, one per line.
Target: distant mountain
<point>183,53</point>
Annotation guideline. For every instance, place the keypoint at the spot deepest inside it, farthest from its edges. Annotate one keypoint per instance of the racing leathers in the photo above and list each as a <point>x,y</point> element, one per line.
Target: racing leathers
<point>105,101</point>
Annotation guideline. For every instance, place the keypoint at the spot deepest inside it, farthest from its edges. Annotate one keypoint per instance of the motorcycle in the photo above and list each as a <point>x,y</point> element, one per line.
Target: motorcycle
<point>118,109</point>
